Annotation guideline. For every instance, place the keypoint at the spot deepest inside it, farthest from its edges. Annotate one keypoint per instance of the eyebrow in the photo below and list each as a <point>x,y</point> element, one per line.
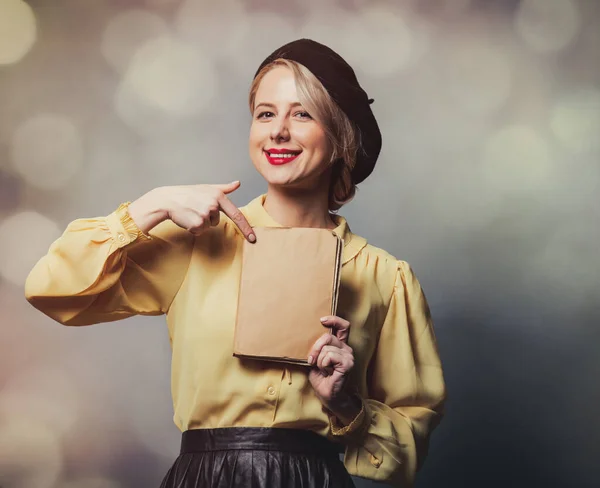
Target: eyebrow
<point>270,105</point>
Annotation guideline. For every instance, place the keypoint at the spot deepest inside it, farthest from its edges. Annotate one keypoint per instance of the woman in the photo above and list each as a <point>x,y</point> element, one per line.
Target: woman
<point>376,392</point>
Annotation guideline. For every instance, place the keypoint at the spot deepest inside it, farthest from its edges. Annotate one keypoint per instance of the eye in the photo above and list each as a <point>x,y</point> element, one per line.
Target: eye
<point>263,115</point>
<point>303,115</point>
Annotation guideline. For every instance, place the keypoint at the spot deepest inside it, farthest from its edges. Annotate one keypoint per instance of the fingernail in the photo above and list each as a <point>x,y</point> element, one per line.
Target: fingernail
<point>323,319</point>
<point>252,238</point>
<point>310,358</point>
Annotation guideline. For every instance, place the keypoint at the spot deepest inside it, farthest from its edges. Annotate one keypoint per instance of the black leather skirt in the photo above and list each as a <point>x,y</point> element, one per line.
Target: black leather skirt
<point>256,457</point>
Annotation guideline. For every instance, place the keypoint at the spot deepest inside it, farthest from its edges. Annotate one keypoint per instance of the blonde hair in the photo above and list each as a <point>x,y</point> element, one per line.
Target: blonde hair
<point>341,132</point>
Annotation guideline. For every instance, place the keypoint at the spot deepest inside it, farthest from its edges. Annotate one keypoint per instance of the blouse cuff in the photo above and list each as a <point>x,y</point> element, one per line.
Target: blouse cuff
<point>128,231</point>
<point>356,428</point>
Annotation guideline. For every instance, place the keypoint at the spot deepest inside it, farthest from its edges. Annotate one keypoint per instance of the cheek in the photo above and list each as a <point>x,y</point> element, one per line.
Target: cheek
<point>316,140</point>
<point>256,135</point>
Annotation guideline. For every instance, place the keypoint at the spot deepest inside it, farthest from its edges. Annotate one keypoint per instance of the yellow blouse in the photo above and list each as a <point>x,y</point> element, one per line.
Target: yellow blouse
<point>105,269</point>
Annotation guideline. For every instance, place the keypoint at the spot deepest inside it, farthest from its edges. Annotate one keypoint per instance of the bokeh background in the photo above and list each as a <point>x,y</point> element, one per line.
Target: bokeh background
<point>488,182</point>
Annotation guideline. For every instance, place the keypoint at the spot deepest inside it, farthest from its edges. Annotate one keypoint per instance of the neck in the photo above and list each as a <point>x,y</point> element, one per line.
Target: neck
<point>299,208</point>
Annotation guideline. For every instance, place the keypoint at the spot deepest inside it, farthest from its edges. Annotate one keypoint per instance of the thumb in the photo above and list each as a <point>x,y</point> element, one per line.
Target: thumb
<point>229,187</point>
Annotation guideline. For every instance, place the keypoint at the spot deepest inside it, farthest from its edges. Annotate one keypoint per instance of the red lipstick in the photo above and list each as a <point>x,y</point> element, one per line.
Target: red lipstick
<point>281,156</point>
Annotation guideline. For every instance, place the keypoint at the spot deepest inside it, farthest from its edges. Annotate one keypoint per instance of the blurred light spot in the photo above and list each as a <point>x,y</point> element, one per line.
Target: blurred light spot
<point>95,482</point>
<point>516,158</point>
<point>126,32</point>
<point>548,25</point>
<point>477,76</point>
<point>30,453</point>
<point>47,151</point>
<point>43,394</point>
<point>26,237</point>
<point>575,121</point>
<point>18,30</point>
<point>172,76</point>
<point>167,80</point>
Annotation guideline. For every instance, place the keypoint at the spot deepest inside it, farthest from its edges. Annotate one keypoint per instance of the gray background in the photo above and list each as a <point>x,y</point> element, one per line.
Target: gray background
<point>487,185</point>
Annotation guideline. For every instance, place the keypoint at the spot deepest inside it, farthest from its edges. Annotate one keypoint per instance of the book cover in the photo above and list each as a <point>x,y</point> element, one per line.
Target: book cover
<point>290,279</point>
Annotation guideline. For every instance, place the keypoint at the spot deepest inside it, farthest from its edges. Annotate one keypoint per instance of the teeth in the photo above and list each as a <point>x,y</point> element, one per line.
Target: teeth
<point>282,155</point>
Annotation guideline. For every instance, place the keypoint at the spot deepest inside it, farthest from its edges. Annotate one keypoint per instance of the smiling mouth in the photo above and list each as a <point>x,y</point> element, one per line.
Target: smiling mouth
<point>281,158</point>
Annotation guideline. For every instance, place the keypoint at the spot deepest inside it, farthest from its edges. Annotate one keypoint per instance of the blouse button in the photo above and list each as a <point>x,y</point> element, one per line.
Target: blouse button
<point>271,390</point>
<point>121,237</point>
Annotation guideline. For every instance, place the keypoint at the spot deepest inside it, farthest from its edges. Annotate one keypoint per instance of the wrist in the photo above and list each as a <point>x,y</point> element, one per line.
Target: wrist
<point>345,408</point>
<point>148,211</point>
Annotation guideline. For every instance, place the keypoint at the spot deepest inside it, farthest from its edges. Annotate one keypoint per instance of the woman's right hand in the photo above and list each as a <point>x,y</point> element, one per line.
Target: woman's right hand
<point>192,207</point>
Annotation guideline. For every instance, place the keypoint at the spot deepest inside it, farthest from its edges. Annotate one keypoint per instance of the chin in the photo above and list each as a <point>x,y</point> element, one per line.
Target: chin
<point>280,180</point>
<point>276,175</point>
<point>295,182</point>
<point>290,176</point>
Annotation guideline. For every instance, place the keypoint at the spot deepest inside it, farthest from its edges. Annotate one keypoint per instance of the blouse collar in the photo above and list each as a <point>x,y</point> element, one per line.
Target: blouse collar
<point>257,216</point>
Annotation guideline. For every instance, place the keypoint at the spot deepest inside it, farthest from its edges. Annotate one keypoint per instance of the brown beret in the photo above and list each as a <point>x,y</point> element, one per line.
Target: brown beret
<point>340,81</point>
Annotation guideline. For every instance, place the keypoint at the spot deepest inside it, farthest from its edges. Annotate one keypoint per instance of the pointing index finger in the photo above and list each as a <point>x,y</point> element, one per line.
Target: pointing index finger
<point>237,217</point>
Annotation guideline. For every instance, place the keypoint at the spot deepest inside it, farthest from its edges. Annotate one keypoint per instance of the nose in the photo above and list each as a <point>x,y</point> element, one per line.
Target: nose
<point>279,129</point>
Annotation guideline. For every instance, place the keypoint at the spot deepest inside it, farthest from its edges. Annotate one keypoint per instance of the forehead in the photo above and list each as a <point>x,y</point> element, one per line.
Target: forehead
<point>278,85</point>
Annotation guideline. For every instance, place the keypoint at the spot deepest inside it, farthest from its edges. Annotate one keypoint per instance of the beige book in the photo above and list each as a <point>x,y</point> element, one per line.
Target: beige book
<point>290,279</point>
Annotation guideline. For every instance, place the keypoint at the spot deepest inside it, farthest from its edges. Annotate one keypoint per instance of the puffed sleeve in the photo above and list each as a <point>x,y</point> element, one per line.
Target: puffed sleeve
<point>105,269</point>
<point>388,441</point>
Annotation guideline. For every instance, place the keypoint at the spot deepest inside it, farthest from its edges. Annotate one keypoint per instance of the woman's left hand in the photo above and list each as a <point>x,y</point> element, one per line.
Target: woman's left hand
<point>332,359</point>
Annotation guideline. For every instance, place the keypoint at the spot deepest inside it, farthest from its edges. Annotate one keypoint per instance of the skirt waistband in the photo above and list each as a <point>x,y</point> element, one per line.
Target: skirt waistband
<point>257,438</point>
